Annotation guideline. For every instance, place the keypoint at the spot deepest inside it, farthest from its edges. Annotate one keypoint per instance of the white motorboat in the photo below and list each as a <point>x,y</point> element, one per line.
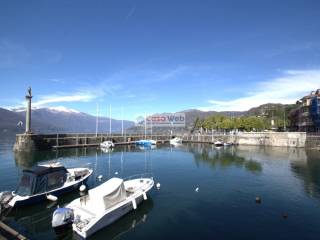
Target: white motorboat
<point>218,143</point>
<point>175,141</point>
<point>102,206</point>
<point>226,144</point>
<point>107,144</point>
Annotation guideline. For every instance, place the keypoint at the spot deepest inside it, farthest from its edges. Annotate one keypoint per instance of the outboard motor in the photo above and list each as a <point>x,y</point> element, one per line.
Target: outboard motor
<point>62,220</point>
<point>5,198</point>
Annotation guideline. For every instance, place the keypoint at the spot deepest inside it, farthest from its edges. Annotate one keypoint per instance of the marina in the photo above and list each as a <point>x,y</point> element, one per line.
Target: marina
<point>216,188</point>
<point>140,120</point>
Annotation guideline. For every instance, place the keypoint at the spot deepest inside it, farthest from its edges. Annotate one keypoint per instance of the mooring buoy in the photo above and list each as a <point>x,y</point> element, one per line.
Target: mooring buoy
<point>258,200</point>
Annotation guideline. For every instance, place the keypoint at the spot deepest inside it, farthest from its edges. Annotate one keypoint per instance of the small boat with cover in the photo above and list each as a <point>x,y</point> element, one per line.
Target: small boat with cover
<point>43,182</point>
<point>102,206</point>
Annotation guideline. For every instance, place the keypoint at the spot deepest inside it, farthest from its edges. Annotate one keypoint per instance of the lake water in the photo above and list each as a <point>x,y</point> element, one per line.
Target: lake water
<point>229,180</point>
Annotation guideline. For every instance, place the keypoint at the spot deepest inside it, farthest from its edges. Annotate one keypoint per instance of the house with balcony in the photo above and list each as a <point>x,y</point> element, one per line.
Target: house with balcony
<point>306,118</point>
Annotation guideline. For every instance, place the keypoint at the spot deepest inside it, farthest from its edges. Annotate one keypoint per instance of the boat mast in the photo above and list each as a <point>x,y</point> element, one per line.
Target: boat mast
<point>110,120</point>
<point>122,121</point>
<point>151,127</point>
<point>145,126</point>
<point>97,119</point>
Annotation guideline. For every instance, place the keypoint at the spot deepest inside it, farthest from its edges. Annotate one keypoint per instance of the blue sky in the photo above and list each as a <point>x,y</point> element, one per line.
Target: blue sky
<point>158,56</point>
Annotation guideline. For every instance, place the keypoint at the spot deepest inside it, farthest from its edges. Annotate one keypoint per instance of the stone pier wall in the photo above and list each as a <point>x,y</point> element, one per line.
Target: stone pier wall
<point>30,142</point>
<point>279,139</point>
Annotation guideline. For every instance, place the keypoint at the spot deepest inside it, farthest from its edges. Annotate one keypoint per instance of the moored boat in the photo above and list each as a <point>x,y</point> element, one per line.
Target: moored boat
<point>107,144</point>
<point>175,141</point>
<point>44,182</point>
<point>146,142</point>
<point>102,206</point>
<point>218,143</point>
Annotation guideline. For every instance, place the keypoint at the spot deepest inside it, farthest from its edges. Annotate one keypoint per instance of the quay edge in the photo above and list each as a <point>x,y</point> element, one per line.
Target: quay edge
<point>30,142</point>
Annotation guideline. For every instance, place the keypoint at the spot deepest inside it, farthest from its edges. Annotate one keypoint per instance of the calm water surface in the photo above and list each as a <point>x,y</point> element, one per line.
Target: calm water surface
<point>229,179</point>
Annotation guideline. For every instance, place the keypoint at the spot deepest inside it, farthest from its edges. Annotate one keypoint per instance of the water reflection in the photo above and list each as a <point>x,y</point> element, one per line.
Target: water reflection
<point>223,157</point>
<point>127,223</point>
<point>309,171</point>
<point>29,159</point>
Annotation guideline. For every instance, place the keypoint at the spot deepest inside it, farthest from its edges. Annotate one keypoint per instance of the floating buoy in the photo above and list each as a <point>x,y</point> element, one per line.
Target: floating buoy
<point>134,203</point>
<point>284,215</point>
<point>116,173</point>
<point>197,189</point>
<point>52,198</point>
<point>258,200</point>
<point>144,196</point>
<point>99,177</point>
<point>158,185</point>
<point>82,188</point>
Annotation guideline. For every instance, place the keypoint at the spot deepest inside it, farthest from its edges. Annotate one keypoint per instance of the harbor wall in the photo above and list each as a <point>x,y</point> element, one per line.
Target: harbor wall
<point>279,139</point>
<point>30,142</point>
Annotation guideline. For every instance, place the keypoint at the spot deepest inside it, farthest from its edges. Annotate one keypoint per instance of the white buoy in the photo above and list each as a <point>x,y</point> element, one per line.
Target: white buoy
<point>116,173</point>
<point>144,196</point>
<point>52,198</point>
<point>99,177</point>
<point>134,203</point>
<point>158,185</point>
<point>82,188</point>
<point>197,189</point>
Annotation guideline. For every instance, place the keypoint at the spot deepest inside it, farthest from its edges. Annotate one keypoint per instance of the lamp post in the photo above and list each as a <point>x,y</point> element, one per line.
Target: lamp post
<point>28,112</point>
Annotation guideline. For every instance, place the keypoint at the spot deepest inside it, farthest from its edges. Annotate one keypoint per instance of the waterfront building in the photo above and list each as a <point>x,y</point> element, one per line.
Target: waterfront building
<point>306,118</point>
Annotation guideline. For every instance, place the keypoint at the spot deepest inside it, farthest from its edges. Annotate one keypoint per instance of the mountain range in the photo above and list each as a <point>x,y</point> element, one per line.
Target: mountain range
<point>63,120</point>
<point>53,120</point>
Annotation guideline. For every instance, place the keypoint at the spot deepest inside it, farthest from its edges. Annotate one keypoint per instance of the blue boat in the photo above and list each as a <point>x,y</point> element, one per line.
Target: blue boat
<point>145,142</point>
<point>44,182</point>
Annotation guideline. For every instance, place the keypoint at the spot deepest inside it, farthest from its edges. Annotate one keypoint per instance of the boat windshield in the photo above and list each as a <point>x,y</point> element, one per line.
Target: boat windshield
<point>25,186</point>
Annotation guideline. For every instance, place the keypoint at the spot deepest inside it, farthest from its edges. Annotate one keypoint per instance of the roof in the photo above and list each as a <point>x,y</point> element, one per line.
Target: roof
<point>41,170</point>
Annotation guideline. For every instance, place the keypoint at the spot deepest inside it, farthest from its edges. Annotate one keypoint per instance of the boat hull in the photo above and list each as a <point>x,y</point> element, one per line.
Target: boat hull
<point>108,219</point>
<point>43,196</point>
<point>57,192</point>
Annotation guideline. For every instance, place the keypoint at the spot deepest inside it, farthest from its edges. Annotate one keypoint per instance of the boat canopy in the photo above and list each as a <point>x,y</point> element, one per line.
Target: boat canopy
<point>108,194</point>
<point>40,179</point>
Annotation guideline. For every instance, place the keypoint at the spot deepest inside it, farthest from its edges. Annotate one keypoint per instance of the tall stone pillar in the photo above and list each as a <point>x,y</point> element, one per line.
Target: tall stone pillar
<point>28,112</point>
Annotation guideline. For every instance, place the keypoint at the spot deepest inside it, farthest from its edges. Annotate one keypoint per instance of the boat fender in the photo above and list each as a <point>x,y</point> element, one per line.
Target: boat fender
<point>52,198</point>
<point>144,196</point>
<point>134,203</point>
<point>82,188</point>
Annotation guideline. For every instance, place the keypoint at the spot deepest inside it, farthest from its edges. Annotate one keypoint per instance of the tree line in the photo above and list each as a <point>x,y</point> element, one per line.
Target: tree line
<point>244,123</point>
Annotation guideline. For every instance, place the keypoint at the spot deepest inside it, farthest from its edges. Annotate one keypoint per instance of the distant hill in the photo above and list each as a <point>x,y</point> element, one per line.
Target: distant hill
<point>266,110</point>
<point>52,120</point>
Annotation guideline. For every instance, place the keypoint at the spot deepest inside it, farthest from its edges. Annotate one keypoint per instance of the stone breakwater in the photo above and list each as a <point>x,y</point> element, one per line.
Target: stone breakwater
<point>278,139</point>
<point>29,142</point>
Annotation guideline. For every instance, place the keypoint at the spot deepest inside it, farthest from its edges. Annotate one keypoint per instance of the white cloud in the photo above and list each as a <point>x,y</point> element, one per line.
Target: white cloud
<point>286,89</point>
<point>59,98</point>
